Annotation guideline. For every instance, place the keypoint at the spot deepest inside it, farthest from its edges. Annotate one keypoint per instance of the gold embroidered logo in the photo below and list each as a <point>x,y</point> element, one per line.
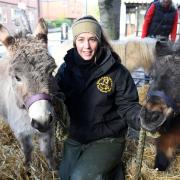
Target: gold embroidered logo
<point>104,84</point>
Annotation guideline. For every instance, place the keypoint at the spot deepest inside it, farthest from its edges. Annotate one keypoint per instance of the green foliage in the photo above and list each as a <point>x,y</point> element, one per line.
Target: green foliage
<point>58,22</point>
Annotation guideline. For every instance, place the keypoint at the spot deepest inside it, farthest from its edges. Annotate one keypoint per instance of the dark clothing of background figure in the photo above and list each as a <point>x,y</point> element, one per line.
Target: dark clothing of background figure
<point>160,21</point>
<point>101,98</point>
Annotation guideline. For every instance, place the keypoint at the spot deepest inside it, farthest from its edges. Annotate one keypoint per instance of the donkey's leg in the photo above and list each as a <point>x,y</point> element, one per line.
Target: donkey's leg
<point>162,162</point>
<point>47,147</point>
<point>165,151</point>
<point>27,147</point>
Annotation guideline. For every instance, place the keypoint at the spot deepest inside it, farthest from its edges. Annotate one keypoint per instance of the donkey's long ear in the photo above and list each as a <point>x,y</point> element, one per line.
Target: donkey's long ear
<point>5,37</point>
<point>41,30</point>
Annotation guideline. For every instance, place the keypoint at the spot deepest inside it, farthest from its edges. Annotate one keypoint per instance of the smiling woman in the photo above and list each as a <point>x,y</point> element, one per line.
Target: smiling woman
<point>86,44</point>
<point>102,101</point>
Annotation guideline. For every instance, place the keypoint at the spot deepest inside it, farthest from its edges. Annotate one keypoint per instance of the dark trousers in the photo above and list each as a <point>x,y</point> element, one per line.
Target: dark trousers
<point>98,160</point>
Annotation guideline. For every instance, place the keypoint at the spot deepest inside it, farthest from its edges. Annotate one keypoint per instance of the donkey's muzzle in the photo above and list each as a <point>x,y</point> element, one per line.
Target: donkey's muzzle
<point>151,120</point>
<point>41,114</point>
<point>42,127</point>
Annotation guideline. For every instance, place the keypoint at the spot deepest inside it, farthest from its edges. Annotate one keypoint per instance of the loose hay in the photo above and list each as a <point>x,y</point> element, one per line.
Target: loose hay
<point>147,171</point>
<point>11,159</point>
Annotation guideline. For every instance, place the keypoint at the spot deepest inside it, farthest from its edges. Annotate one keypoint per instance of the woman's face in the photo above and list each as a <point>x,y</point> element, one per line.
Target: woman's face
<point>86,44</point>
<point>166,3</point>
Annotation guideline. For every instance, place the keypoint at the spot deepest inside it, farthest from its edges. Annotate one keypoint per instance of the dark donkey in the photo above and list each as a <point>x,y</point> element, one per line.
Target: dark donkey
<point>27,86</point>
<point>161,111</point>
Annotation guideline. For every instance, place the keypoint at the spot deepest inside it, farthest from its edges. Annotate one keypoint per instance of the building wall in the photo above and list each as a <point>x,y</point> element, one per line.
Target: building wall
<point>11,14</point>
<point>30,3</point>
<point>61,9</point>
<point>132,17</point>
<point>123,20</point>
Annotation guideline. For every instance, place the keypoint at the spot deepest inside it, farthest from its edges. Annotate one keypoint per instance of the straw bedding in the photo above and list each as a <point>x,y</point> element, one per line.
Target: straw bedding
<point>11,159</point>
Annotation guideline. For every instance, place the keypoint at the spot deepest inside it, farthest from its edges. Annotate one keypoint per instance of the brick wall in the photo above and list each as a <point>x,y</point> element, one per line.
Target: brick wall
<point>61,9</point>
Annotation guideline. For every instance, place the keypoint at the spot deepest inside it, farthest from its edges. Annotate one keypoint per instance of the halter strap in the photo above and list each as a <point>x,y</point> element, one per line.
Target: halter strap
<point>36,97</point>
<point>168,100</point>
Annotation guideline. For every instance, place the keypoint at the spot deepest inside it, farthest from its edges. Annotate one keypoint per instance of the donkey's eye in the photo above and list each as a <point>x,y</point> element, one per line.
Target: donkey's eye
<point>17,78</point>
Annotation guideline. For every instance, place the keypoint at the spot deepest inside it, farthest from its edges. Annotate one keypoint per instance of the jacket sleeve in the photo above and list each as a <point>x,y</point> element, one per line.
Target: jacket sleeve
<point>127,99</point>
<point>174,28</point>
<point>147,20</point>
<point>59,77</point>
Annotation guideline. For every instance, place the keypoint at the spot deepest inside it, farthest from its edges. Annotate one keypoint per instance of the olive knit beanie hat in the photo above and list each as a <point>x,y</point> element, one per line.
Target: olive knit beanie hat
<point>86,24</point>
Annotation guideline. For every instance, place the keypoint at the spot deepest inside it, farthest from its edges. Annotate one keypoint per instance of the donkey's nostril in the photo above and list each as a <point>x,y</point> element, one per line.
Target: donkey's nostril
<point>34,124</point>
<point>43,124</point>
<point>50,119</point>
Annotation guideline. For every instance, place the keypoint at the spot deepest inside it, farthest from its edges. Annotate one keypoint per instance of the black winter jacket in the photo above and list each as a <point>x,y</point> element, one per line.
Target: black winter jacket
<point>102,105</point>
